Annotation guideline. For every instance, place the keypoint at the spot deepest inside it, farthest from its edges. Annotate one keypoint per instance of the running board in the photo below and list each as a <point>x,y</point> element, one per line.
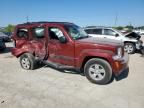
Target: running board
<point>58,66</point>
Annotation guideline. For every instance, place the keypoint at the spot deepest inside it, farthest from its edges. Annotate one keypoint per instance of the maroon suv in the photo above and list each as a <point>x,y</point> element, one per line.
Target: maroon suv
<point>65,45</point>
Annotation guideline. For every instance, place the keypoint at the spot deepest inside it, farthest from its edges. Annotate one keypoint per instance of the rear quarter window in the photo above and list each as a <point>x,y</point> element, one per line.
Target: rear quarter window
<point>22,33</point>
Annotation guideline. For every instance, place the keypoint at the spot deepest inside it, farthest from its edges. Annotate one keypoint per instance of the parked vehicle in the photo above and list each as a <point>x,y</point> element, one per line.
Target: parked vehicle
<point>65,45</point>
<point>139,31</point>
<point>5,36</point>
<point>131,40</point>
<point>2,45</point>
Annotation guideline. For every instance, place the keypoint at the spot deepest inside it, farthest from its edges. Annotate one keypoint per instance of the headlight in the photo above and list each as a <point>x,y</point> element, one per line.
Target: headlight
<point>140,42</point>
<point>119,54</point>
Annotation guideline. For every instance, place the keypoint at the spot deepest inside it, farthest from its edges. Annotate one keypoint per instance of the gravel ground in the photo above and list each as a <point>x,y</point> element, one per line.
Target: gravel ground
<point>49,88</point>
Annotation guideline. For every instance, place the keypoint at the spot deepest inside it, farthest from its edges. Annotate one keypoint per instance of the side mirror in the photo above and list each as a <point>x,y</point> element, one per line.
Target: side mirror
<point>116,35</point>
<point>62,39</point>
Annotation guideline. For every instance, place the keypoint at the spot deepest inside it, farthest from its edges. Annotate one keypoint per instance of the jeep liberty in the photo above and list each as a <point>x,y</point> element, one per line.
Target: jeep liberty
<point>64,45</point>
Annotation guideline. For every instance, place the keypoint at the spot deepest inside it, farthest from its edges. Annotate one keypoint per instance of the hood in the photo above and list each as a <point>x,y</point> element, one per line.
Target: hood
<point>104,41</point>
<point>133,35</point>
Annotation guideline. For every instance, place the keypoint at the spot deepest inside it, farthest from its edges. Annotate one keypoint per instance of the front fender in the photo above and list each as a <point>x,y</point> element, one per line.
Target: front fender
<point>99,53</point>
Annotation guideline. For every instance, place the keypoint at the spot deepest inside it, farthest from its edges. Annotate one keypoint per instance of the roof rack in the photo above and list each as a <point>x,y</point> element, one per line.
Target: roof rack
<point>44,22</point>
<point>88,27</point>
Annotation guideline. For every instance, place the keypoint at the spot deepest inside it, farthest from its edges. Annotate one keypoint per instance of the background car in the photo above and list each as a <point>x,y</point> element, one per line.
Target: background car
<point>2,44</point>
<point>5,36</point>
<point>131,40</point>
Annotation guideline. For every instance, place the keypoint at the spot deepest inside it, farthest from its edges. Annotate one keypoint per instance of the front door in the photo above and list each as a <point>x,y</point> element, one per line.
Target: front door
<point>110,34</point>
<point>59,52</point>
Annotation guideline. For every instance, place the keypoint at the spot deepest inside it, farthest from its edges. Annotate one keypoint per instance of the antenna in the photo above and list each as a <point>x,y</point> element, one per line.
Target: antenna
<point>27,19</point>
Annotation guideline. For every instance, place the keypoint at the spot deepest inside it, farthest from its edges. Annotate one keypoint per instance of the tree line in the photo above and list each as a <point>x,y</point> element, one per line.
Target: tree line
<point>129,27</point>
<point>9,28</point>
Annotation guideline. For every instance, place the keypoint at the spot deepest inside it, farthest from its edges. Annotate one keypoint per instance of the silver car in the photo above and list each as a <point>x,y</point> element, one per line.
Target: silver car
<point>131,40</point>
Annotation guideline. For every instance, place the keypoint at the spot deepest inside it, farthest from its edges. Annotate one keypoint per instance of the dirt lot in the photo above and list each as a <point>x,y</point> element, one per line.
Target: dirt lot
<point>50,88</point>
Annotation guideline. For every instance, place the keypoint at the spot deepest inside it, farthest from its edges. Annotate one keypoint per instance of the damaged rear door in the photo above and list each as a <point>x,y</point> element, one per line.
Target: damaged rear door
<point>39,41</point>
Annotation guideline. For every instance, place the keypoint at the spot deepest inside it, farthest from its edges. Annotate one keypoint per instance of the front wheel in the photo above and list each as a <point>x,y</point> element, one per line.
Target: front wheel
<point>98,71</point>
<point>28,61</point>
<point>129,48</point>
<point>142,51</point>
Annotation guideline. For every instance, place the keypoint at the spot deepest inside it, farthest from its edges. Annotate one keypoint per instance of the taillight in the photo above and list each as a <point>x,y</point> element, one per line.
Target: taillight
<point>14,43</point>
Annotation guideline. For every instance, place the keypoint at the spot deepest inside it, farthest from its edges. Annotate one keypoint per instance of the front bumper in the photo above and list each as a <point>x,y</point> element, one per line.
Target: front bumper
<point>120,65</point>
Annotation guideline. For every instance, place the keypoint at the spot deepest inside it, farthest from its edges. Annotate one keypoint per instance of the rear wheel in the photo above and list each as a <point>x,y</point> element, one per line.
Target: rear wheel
<point>28,61</point>
<point>129,48</point>
<point>98,71</point>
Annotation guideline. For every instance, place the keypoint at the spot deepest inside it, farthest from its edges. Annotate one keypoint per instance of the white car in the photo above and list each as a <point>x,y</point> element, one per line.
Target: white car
<point>131,40</point>
<point>140,32</point>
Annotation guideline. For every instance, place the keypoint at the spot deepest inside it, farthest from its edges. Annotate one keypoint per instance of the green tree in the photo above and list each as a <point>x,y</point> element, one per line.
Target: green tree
<point>119,28</point>
<point>9,28</point>
<point>130,28</point>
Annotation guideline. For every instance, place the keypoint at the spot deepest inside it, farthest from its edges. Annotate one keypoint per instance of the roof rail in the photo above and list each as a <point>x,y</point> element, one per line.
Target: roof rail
<point>96,27</point>
<point>43,22</point>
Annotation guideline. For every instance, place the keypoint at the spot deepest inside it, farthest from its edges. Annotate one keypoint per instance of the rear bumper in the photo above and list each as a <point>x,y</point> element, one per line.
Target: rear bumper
<point>120,65</point>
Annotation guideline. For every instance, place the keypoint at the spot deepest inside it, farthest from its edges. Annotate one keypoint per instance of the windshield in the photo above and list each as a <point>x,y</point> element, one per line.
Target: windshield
<point>76,32</point>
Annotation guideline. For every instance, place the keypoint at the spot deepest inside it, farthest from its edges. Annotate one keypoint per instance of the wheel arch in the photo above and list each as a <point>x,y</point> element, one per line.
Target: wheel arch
<point>130,42</point>
<point>33,53</point>
<point>90,57</point>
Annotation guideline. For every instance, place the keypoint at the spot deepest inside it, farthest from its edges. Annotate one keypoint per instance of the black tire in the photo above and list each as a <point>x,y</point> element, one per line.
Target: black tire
<point>3,49</point>
<point>142,51</point>
<point>107,76</point>
<point>129,48</point>
<point>29,58</point>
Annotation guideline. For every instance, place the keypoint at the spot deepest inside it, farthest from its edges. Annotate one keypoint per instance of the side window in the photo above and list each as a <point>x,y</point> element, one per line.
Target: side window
<point>94,31</point>
<point>22,33</point>
<point>55,33</point>
<point>38,32</point>
<point>109,32</point>
<point>88,31</point>
<point>97,31</point>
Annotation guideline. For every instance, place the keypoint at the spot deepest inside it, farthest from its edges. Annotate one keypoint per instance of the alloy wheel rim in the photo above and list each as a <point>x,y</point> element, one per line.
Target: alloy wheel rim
<point>128,48</point>
<point>97,72</point>
<point>25,63</point>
